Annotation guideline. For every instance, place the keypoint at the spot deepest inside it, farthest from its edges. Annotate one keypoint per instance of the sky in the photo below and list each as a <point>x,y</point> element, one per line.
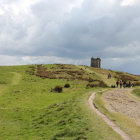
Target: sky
<point>71,32</point>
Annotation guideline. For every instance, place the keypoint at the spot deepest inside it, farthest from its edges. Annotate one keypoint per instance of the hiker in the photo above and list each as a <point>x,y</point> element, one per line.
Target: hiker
<point>129,84</point>
<point>117,83</point>
<point>124,84</point>
<point>109,76</point>
<point>121,83</point>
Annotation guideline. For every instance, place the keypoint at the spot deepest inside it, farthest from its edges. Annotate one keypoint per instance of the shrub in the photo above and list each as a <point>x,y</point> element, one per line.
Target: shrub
<point>127,77</point>
<point>67,85</point>
<point>136,83</point>
<point>112,86</point>
<point>91,85</point>
<point>102,84</point>
<point>58,89</point>
<point>90,80</point>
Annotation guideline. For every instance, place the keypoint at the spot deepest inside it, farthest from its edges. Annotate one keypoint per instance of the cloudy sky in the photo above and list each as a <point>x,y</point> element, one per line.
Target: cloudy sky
<point>71,31</point>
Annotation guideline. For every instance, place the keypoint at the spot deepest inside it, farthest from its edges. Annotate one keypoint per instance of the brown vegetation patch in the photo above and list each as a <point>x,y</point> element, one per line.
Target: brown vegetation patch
<point>67,73</point>
<point>99,84</point>
<point>32,70</point>
<point>125,77</point>
<point>63,74</point>
<point>136,83</point>
<point>63,66</point>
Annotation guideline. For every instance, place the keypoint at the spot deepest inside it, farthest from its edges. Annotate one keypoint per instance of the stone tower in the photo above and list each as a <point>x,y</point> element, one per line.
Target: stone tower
<point>95,62</point>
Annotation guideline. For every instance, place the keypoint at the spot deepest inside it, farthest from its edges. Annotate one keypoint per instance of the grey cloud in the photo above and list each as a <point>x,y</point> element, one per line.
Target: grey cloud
<point>54,28</point>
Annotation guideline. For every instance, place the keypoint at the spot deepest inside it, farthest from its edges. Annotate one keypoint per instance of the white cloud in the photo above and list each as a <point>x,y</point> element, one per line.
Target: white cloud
<point>1,12</point>
<point>128,2</point>
<point>54,60</point>
<point>15,8</point>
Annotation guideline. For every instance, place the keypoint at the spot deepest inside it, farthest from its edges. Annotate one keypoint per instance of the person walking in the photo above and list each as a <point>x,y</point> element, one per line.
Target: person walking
<point>117,83</point>
<point>129,84</point>
<point>124,84</point>
<point>121,83</point>
<point>108,76</point>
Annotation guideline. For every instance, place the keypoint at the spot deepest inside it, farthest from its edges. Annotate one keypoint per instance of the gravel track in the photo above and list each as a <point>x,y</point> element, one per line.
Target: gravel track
<point>119,101</point>
<point>108,121</point>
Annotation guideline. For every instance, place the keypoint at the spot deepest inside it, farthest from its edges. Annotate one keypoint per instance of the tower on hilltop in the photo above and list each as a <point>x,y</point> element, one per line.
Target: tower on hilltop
<point>95,62</point>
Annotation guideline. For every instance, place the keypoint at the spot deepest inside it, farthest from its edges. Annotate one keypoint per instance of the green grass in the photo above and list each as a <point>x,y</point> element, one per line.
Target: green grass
<point>101,74</point>
<point>136,92</point>
<point>30,111</point>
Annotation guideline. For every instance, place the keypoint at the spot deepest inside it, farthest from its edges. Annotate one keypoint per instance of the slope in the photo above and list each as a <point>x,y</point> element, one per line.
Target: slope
<point>31,109</point>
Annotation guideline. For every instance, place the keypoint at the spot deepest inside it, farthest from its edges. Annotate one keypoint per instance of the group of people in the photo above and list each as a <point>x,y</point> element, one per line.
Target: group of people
<point>123,84</point>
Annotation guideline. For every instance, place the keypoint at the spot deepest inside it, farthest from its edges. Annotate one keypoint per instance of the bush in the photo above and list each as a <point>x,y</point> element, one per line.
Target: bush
<point>58,89</point>
<point>112,86</point>
<point>67,85</point>
<point>90,80</point>
<point>91,85</point>
<point>136,83</point>
<point>127,77</point>
<point>102,84</point>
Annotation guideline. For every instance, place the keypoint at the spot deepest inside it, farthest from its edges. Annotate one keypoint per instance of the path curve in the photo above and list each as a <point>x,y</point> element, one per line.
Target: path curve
<point>115,127</point>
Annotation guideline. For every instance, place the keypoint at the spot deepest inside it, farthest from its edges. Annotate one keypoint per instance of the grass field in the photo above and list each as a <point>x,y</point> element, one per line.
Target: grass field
<point>31,110</point>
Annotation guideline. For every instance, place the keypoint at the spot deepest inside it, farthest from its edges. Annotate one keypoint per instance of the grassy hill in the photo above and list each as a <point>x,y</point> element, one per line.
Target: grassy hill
<point>31,109</point>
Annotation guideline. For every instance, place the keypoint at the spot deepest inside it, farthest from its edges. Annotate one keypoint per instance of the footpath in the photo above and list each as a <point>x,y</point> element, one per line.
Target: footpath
<point>117,100</point>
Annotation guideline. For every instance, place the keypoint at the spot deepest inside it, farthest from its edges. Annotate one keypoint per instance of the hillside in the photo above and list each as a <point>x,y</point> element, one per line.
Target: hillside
<point>33,107</point>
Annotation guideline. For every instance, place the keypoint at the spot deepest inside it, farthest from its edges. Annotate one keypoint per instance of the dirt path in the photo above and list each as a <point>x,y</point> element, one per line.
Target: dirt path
<point>16,78</point>
<point>119,101</point>
<point>109,122</point>
<point>15,81</point>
